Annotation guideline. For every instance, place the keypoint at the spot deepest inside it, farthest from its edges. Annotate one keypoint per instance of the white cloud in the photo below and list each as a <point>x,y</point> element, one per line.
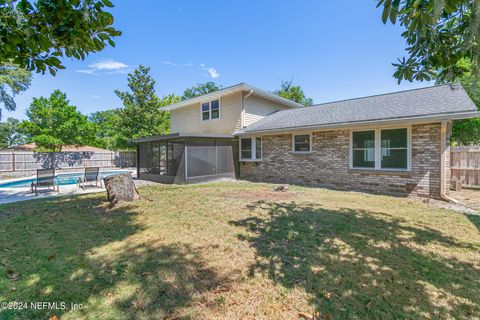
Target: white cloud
<point>213,73</point>
<point>209,71</point>
<point>170,63</point>
<point>87,71</point>
<point>94,96</point>
<point>108,67</point>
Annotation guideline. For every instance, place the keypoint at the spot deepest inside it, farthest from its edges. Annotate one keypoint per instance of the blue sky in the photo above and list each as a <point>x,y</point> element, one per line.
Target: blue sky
<point>333,49</point>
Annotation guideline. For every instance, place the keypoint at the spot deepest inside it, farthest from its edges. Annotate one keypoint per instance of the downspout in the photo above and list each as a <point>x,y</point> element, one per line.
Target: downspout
<point>242,125</point>
<point>242,120</point>
<point>443,142</point>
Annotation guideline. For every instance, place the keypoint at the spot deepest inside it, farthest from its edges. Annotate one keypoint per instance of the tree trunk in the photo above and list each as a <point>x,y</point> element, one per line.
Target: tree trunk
<point>120,187</point>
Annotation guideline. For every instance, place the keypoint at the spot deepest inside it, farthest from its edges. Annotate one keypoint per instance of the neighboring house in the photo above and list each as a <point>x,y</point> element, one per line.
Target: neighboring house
<point>396,143</point>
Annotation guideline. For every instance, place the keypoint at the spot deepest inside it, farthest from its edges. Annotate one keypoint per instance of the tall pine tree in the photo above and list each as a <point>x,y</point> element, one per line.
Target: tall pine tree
<point>140,115</point>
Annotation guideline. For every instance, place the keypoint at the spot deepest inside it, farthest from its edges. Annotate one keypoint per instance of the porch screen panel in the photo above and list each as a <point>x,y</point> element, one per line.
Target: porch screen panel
<point>225,161</point>
<point>162,158</point>
<point>145,159</point>
<point>155,154</point>
<point>174,158</point>
<point>201,157</point>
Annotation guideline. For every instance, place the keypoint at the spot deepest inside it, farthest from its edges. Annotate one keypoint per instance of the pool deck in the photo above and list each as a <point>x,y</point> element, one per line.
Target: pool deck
<point>9,195</point>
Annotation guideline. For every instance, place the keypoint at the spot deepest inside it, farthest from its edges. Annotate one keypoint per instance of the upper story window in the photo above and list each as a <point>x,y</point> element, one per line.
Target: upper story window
<point>381,149</point>
<point>302,143</point>
<point>210,110</point>
<point>251,148</point>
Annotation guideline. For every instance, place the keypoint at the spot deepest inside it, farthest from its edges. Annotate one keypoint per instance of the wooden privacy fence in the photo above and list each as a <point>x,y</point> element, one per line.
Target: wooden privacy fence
<point>31,161</point>
<point>465,165</point>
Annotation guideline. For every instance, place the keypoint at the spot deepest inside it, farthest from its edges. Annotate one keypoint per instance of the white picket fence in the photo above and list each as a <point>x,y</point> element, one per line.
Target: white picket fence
<point>31,161</point>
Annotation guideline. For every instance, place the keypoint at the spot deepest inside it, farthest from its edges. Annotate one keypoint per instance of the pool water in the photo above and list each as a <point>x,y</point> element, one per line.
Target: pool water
<point>62,179</point>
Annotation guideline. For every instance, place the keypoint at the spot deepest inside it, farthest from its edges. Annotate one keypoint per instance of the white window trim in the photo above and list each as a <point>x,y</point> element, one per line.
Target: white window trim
<point>302,134</point>
<point>210,110</point>
<point>253,157</point>
<point>378,149</point>
<point>261,149</point>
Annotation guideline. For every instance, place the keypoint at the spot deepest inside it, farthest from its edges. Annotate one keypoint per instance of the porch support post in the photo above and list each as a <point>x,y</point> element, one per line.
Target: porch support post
<point>138,160</point>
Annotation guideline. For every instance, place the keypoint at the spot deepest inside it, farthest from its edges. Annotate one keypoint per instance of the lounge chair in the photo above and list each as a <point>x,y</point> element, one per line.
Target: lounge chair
<point>90,175</point>
<point>45,178</point>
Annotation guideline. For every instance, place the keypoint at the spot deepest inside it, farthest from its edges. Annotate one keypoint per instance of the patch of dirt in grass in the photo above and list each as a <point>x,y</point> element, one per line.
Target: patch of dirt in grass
<point>267,195</point>
<point>468,197</point>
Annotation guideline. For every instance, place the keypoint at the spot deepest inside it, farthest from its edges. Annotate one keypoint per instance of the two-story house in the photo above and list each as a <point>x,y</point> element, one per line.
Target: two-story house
<point>396,143</point>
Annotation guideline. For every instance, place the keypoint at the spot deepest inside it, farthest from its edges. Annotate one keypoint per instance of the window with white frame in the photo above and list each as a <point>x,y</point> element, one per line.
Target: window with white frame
<point>394,148</point>
<point>363,145</point>
<point>381,149</point>
<point>251,148</point>
<point>302,143</point>
<point>210,110</point>
<point>258,148</point>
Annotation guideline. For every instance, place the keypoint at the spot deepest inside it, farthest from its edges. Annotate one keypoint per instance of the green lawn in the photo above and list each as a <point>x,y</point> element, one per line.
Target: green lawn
<point>240,250</point>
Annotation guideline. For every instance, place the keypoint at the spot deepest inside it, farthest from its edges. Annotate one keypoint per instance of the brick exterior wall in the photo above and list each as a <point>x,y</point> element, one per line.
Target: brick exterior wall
<point>328,164</point>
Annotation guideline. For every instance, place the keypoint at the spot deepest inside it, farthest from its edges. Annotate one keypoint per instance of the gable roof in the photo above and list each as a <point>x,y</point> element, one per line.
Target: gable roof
<point>233,89</point>
<point>438,102</point>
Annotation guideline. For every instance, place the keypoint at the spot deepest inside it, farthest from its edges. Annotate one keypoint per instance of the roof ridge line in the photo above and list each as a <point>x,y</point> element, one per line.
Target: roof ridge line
<point>385,94</point>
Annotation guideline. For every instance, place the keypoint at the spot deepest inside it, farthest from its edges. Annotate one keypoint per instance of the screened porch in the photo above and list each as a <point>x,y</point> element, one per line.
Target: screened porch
<point>183,158</point>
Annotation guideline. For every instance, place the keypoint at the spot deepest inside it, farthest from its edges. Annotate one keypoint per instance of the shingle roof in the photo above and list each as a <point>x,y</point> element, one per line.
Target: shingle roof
<point>443,100</point>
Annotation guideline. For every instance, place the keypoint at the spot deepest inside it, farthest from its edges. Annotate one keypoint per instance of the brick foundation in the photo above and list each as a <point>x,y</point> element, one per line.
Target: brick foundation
<point>328,164</point>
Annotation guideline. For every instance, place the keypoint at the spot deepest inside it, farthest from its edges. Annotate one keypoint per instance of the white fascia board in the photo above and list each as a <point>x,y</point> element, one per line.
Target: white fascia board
<point>359,124</point>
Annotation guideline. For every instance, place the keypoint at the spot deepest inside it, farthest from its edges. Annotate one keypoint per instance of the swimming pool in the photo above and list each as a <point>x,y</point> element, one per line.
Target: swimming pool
<point>62,179</point>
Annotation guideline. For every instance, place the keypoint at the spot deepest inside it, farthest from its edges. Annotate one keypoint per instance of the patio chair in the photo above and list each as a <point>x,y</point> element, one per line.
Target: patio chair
<point>45,178</point>
<point>90,175</point>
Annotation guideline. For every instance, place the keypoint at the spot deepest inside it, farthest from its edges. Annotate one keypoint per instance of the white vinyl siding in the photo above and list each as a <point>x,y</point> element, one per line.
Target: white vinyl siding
<point>188,119</point>
<point>257,108</point>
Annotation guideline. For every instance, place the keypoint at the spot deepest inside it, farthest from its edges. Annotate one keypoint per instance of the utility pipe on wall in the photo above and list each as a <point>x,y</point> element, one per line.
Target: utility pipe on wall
<point>443,169</point>
<point>243,107</point>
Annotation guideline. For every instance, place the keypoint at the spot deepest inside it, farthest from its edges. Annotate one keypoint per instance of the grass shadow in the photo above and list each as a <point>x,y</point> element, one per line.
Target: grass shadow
<point>361,264</point>
<point>475,220</point>
<point>73,250</point>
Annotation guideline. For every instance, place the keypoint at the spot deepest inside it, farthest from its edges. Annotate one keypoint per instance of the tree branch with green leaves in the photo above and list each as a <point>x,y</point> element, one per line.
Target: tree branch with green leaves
<point>13,80</point>
<point>294,93</point>
<point>439,34</point>
<point>36,34</point>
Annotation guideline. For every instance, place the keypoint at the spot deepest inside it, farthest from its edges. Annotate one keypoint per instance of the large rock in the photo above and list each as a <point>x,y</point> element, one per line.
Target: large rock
<point>120,187</point>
